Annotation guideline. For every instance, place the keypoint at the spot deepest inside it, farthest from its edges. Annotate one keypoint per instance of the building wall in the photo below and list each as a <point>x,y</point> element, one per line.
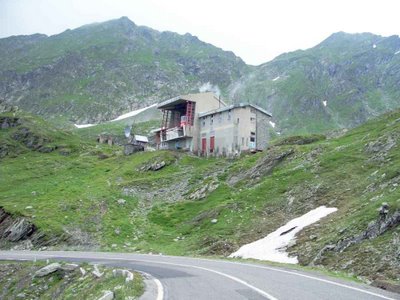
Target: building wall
<point>235,130</point>
<point>263,132</point>
<point>204,102</point>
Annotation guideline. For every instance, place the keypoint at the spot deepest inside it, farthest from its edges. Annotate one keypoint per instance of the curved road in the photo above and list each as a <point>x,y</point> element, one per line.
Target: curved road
<point>192,278</point>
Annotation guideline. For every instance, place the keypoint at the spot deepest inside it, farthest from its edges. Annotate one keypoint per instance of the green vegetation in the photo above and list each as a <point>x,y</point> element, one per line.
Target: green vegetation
<point>17,278</point>
<point>77,195</point>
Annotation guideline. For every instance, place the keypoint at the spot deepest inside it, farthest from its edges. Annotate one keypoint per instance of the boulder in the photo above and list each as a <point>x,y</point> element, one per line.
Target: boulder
<point>157,166</point>
<point>96,272</point>
<point>48,270</point>
<point>107,295</point>
<point>123,273</point>
<point>69,267</point>
<point>121,201</point>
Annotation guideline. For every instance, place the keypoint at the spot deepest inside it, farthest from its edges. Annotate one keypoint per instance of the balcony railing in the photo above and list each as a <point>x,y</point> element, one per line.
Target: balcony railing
<point>176,133</point>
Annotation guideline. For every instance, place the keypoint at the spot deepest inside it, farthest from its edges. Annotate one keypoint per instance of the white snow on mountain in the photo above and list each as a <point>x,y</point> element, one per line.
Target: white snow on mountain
<point>84,125</point>
<point>121,117</point>
<point>276,78</point>
<point>133,113</point>
<point>273,246</point>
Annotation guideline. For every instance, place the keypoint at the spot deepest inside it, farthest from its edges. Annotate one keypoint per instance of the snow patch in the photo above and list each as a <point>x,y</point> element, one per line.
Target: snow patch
<point>276,78</point>
<point>374,46</point>
<point>397,52</point>
<point>84,125</point>
<point>272,124</point>
<point>133,113</point>
<point>273,246</point>
<point>325,103</point>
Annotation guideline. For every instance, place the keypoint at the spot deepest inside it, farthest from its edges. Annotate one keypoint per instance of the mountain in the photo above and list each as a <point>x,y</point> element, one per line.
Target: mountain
<point>62,190</point>
<point>342,82</point>
<point>99,71</point>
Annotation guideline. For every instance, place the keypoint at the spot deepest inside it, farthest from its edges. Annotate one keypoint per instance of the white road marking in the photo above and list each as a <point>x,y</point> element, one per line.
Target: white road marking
<point>226,275</point>
<point>159,285</point>
<point>160,289</point>
<point>318,279</point>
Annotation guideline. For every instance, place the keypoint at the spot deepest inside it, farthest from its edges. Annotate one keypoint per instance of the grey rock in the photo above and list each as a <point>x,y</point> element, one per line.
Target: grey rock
<point>8,122</point>
<point>48,270</point>
<point>96,272</point>
<point>202,192</point>
<point>214,221</point>
<point>121,201</point>
<point>19,229</point>
<point>264,166</point>
<point>107,295</point>
<point>130,149</point>
<point>383,223</point>
<point>128,275</point>
<point>69,267</point>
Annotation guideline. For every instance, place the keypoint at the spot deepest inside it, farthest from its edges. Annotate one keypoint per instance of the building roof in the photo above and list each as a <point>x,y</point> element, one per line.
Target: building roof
<point>141,138</point>
<point>233,106</point>
<point>171,103</point>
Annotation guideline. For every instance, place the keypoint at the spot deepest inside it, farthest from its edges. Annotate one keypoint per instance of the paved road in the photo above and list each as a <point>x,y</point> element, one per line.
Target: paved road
<point>192,278</point>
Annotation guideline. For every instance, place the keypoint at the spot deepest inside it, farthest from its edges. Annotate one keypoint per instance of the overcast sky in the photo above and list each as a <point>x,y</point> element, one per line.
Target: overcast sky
<point>255,30</point>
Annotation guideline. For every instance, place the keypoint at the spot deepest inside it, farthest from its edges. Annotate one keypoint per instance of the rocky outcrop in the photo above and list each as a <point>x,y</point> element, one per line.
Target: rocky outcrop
<point>301,140</point>
<point>8,122</point>
<point>32,140</point>
<point>204,190</point>
<point>384,222</point>
<point>5,107</point>
<point>264,166</point>
<point>155,166</point>
<point>19,233</point>
<point>378,150</point>
<point>130,149</point>
<point>19,229</point>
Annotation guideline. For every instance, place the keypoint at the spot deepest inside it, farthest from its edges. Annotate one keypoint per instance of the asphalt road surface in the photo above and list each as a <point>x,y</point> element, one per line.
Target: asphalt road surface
<point>187,278</point>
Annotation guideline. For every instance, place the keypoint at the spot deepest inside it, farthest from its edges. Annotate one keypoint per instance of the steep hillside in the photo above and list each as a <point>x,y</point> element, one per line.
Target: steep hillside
<point>340,83</point>
<point>99,71</point>
<point>94,197</point>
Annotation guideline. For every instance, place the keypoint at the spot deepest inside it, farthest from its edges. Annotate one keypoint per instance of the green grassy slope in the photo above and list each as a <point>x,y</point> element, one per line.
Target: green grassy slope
<point>171,210</point>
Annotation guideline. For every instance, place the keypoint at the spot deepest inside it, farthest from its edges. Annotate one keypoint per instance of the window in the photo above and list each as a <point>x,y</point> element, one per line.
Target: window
<point>237,121</point>
<point>203,122</point>
<point>211,119</point>
<point>242,141</point>
<point>252,139</point>
<point>229,115</point>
